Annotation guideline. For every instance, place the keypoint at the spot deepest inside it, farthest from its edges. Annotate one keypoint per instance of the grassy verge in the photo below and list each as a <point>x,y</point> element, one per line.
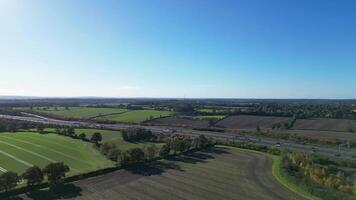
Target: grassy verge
<point>276,171</point>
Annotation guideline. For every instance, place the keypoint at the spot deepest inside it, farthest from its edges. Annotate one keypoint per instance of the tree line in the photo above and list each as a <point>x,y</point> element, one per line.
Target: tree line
<point>54,172</point>
<point>136,134</point>
<point>174,145</point>
<point>324,177</point>
<point>95,138</point>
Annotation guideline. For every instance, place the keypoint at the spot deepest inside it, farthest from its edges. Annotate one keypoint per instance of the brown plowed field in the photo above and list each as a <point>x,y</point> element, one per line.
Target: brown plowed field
<point>176,121</point>
<point>223,173</point>
<point>248,122</point>
<point>322,134</point>
<point>325,124</point>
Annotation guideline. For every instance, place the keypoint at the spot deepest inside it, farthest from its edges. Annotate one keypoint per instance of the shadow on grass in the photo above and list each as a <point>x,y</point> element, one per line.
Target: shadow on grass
<point>62,192</point>
<point>154,168</point>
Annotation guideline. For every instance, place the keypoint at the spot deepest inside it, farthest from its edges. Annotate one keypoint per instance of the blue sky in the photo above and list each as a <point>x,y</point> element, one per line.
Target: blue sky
<point>178,48</point>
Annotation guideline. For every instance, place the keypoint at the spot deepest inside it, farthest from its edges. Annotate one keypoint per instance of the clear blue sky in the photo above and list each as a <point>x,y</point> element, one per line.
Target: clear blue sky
<point>178,48</point>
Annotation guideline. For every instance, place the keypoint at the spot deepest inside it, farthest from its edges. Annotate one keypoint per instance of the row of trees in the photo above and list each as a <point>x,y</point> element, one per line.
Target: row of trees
<point>315,170</point>
<point>95,138</point>
<point>174,144</point>
<point>14,125</point>
<point>55,172</point>
<point>137,134</point>
<point>180,144</point>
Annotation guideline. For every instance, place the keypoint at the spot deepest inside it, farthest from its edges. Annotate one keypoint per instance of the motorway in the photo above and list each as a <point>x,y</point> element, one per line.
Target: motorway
<point>330,152</point>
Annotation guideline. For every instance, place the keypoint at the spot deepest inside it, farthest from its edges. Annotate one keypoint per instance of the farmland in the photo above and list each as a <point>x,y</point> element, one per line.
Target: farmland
<point>114,137</point>
<point>136,116</point>
<point>78,112</point>
<point>343,125</point>
<point>20,150</point>
<point>209,117</point>
<point>177,121</point>
<point>223,173</point>
<point>321,134</point>
<point>249,122</point>
<point>103,114</point>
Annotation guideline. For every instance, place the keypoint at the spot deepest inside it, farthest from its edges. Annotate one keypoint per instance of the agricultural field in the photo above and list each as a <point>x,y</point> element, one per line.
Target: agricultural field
<point>116,138</point>
<point>249,122</point>
<point>343,125</point>
<point>209,117</point>
<point>136,116</point>
<point>223,173</point>
<point>210,110</point>
<point>21,150</point>
<point>177,121</point>
<point>321,134</point>
<point>78,112</point>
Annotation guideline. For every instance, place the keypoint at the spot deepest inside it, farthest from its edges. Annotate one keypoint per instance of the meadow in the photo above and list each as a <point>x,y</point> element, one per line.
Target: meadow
<point>102,114</point>
<point>136,116</point>
<point>21,150</point>
<point>77,112</point>
<point>222,173</point>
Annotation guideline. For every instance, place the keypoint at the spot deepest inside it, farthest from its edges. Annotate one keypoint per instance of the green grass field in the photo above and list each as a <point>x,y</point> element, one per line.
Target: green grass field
<point>79,112</point>
<point>21,150</point>
<point>115,137</point>
<point>136,116</point>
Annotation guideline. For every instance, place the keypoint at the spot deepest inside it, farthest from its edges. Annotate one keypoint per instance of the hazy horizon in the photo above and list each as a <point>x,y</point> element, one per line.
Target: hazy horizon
<point>178,49</point>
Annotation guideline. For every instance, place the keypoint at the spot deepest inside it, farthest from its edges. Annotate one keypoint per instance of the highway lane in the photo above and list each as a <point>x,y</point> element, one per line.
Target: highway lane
<point>168,130</point>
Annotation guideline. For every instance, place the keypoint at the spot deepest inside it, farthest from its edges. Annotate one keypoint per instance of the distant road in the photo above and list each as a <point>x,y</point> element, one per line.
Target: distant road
<point>166,130</point>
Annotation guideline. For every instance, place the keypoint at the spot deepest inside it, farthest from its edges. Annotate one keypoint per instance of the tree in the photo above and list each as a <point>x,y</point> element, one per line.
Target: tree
<point>33,175</point>
<point>114,154</point>
<point>70,131</point>
<point>58,130</point>
<point>40,128</point>
<point>111,151</point>
<point>9,180</point>
<point>203,141</point>
<point>55,173</point>
<point>150,151</point>
<point>96,138</point>
<point>133,156</point>
<point>164,152</point>
<point>82,136</point>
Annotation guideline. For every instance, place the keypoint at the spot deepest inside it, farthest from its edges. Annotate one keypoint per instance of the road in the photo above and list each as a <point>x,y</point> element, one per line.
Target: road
<point>166,130</point>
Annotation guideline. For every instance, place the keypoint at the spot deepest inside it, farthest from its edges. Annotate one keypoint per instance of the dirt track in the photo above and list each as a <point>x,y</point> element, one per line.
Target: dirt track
<point>222,174</point>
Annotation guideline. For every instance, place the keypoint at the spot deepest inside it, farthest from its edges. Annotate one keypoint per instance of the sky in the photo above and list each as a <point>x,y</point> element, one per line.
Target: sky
<point>178,48</point>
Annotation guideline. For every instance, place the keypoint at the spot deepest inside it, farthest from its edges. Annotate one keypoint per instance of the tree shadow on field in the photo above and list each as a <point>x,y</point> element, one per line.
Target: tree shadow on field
<point>61,192</point>
<point>217,150</point>
<point>154,168</point>
<point>192,158</point>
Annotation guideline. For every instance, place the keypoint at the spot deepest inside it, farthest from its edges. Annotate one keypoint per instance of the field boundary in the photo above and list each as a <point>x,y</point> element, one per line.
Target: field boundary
<point>276,171</point>
<point>98,116</point>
